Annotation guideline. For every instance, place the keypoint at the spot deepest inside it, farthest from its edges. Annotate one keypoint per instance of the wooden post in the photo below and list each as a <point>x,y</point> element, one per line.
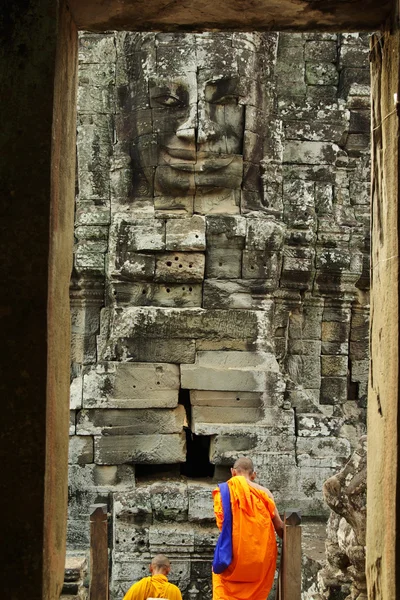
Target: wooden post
<point>98,552</point>
<point>289,578</point>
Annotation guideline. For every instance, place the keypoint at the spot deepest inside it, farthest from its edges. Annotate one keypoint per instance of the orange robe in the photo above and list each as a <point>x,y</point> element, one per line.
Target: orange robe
<point>251,573</point>
<point>156,586</point>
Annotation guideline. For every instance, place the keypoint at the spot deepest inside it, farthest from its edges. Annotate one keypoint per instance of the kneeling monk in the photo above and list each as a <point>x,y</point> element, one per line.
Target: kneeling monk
<point>157,585</point>
<point>254,522</point>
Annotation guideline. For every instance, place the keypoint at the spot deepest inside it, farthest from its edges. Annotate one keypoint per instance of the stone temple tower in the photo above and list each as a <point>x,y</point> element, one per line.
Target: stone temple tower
<point>220,288</point>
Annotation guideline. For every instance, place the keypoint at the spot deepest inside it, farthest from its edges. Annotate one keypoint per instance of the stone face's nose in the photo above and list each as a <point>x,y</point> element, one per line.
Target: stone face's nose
<point>187,129</point>
<point>208,128</point>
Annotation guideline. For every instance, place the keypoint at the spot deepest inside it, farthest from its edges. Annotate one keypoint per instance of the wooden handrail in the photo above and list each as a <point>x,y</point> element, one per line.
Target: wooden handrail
<point>289,578</point>
<point>98,552</point>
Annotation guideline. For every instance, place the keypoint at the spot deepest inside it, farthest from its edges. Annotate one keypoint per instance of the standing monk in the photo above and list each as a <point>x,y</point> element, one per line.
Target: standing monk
<point>254,521</point>
<point>157,585</point>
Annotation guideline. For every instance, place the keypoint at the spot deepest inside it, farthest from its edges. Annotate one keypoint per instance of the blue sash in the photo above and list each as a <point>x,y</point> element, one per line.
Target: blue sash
<point>223,554</point>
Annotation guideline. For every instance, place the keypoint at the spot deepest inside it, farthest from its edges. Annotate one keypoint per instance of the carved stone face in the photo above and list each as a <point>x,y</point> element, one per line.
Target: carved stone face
<point>200,137</point>
<point>190,141</point>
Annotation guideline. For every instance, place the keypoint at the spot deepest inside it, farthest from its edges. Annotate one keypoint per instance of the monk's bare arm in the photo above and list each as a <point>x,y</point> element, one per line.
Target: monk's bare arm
<point>278,523</point>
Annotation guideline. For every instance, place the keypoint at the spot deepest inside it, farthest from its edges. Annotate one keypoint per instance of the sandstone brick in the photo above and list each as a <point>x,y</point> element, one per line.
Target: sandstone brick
<point>131,323</point>
<point>185,234</point>
<point>169,501</point>
<point>80,450</point>
<point>321,74</point>
<point>309,152</point>
<point>143,449</point>
<point>263,234</point>
<point>310,425</point>
<point>130,422</point>
<point>200,508</point>
<point>179,266</point>
<point>224,448</point>
<point>228,414</point>
<point>319,452</point>
<point>335,331</point>
<point>166,538</point>
<point>225,231</point>
<point>218,398</point>
<point>333,390</point>
<point>223,263</point>
<point>230,371</point>
<point>226,202</point>
<point>134,266</point>
<point>173,207</point>
<point>238,294</point>
<point>184,294</point>
<point>76,391</point>
<point>142,234</point>
<point>334,366</point>
<point>131,385</point>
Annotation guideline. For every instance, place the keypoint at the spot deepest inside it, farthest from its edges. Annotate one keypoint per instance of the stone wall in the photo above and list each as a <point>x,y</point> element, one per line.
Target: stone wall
<point>220,286</point>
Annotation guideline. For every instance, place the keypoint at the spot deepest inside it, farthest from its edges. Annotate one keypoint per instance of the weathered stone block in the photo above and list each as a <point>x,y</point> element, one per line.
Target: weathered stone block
<point>310,425</point>
<point>134,266</point>
<point>130,422</point>
<point>321,51</point>
<point>165,350</point>
<point>97,48</point>
<point>157,294</point>
<point>263,234</point>
<point>333,390</point>
<point>231,371</point>
<point>225,231</point>
<point>238,294</point>
<point>76,392</point>
<point>101,478</point>
<point>188,323</point>
<point>182,266</point>
<point>224,448</point>
<point>334,366</point>
<point>142,449</point>
<point>133,506</point>
<point>223,263</point>
<point>173,207</point>
<point>200,503</point>
<point>332,331</point>
<point>322,452</point>
<point>131,385</point>
<point>143,234</point>
<point>225,414</point>
<point>321,74</point>
<point>260,265</point>
<point>310,152</point>
<point>96,100</point>
<point>218,398</point>
<point>72,425</point>
<point>185,234</point>
<point>80,450</point>
<point>358,350</point>
<point>225,201</point>
<point>169,501</point>
<point>171,539</point>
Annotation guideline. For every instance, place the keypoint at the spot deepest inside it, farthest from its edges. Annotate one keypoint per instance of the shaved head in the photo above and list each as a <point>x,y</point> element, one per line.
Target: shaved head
<point>244,465</point>
<point>160,563</point>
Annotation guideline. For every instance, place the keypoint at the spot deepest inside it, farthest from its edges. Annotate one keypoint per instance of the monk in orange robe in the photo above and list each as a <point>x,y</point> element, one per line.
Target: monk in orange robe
<point>157,585</point>
<point>255,520</point>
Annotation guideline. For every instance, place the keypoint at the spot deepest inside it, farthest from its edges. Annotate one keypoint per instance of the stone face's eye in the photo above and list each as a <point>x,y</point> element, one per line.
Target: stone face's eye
<point>168,100</point>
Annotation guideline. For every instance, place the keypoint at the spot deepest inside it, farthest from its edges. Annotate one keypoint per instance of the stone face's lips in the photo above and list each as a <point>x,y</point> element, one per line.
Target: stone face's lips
<point>182,159</point>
